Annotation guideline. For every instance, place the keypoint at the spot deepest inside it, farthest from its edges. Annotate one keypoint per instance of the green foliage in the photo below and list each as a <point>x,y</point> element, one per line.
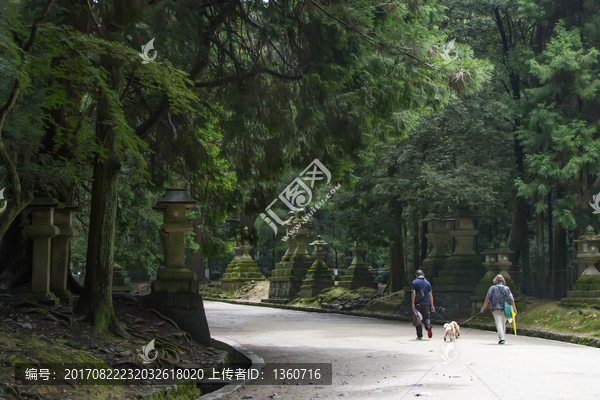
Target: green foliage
<point>560,133</point>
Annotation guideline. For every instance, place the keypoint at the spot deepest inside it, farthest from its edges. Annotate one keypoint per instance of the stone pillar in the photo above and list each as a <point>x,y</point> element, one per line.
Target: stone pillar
<point>175,291</point>
<point>291,242</point>
<point>175,277</point>
<point>318,276</point>
<point>357,275</point>
<point>462,271</point>
<point>121,281</point>
<point>586,290</point>
<point>42,230</point>
<point>63,219</point>
<point>504,264</point>
<point>438,236</point>
<point>287,277</point>
<point>244,269</point>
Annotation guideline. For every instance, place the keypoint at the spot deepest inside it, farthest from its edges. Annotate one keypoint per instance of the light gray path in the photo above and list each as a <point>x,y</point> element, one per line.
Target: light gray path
<point>380,359</point>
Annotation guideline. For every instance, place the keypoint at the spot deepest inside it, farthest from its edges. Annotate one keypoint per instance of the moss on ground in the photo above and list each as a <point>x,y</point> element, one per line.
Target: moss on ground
<point>386,304</point>
<point>39,349</point>
<point>551,316</point>
<point>340,295</point>
<point>181,392</point>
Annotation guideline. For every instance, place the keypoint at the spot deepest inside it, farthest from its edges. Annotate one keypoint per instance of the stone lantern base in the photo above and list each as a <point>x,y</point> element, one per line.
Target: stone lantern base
<point>47,299</point>
<point>121,281</point>
<point>459,274</point>
<point>432,266</point>
<point>317,278</point>
<point>357,278</point>
<point>243,271</point>
<point>585,292</point>
<point>286,279</point>
<point>175,280</point>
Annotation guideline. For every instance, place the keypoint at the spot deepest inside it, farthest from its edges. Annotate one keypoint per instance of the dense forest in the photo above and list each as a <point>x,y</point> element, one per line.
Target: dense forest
<point>411,104</point>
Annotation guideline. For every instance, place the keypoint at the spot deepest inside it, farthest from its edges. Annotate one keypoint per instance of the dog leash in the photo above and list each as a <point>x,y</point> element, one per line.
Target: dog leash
<point>464,322</point>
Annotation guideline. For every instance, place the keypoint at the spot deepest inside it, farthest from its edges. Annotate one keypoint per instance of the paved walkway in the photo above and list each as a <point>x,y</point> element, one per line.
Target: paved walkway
<point>380,359</point>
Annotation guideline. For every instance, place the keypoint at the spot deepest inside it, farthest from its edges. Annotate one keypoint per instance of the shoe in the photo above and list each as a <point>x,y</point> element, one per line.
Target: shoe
<point>429,333</point>
<point>419,337</point>
<point>501,342</point>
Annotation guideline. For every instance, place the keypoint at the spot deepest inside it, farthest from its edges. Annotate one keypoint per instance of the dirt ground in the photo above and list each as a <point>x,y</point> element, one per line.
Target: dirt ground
<point>32,333</point>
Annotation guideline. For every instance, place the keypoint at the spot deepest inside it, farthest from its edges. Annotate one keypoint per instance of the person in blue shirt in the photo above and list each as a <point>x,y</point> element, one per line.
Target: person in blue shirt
<point>422,305</point>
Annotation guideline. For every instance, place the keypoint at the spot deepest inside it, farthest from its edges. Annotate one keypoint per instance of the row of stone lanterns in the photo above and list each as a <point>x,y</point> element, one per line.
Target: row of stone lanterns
<point>51,231</point>
<point>295,275</point>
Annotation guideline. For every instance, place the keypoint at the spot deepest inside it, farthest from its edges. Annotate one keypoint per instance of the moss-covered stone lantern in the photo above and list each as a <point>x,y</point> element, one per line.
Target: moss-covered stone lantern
<point>175,277</point>
<point>318,276</point>
<point>587,251</point>
<point>586,290</point>
<point>287,277</point>
<point>357,275</point>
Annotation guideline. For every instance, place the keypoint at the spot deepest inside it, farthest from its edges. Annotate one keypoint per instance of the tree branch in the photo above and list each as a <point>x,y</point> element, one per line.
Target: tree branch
<point>401,50</point>
<point>248,75</point>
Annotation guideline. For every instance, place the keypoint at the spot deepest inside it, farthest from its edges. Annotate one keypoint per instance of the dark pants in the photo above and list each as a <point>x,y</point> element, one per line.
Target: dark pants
<point>424,310</point>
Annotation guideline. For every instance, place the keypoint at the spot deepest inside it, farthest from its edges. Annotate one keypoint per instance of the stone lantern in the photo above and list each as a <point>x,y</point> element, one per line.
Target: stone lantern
<point>121,281</point>
<point>61,246</point>
<point>301,227</point>
<point>286,279</point>
<point>357,275</point>
<point>244,269</point>
<point>291,240</point>
<point>175,277</point>
<point>587,251</point>
<point>586,290</point>
<point>42,230</point>
<point>462,270</point>
<point>318,276</point>
<point>438,236</point>
<point>492,267</point>
<point>504,264</point>
<point>464,230</point>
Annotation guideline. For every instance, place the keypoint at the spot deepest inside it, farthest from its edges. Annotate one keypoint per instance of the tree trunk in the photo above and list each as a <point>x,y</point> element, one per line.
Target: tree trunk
<point>519,240</point>
<point>558,286</point>
<point>95,302</point>
<point>397,270</point>
<point>541,290</point>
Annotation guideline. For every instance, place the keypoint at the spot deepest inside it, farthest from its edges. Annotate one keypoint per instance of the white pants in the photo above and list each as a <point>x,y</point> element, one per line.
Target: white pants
<point>500,323</point>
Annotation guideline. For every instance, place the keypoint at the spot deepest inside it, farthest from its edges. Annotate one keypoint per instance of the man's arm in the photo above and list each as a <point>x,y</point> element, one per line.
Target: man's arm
<point>412,298</point>
<point>431,301</point>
